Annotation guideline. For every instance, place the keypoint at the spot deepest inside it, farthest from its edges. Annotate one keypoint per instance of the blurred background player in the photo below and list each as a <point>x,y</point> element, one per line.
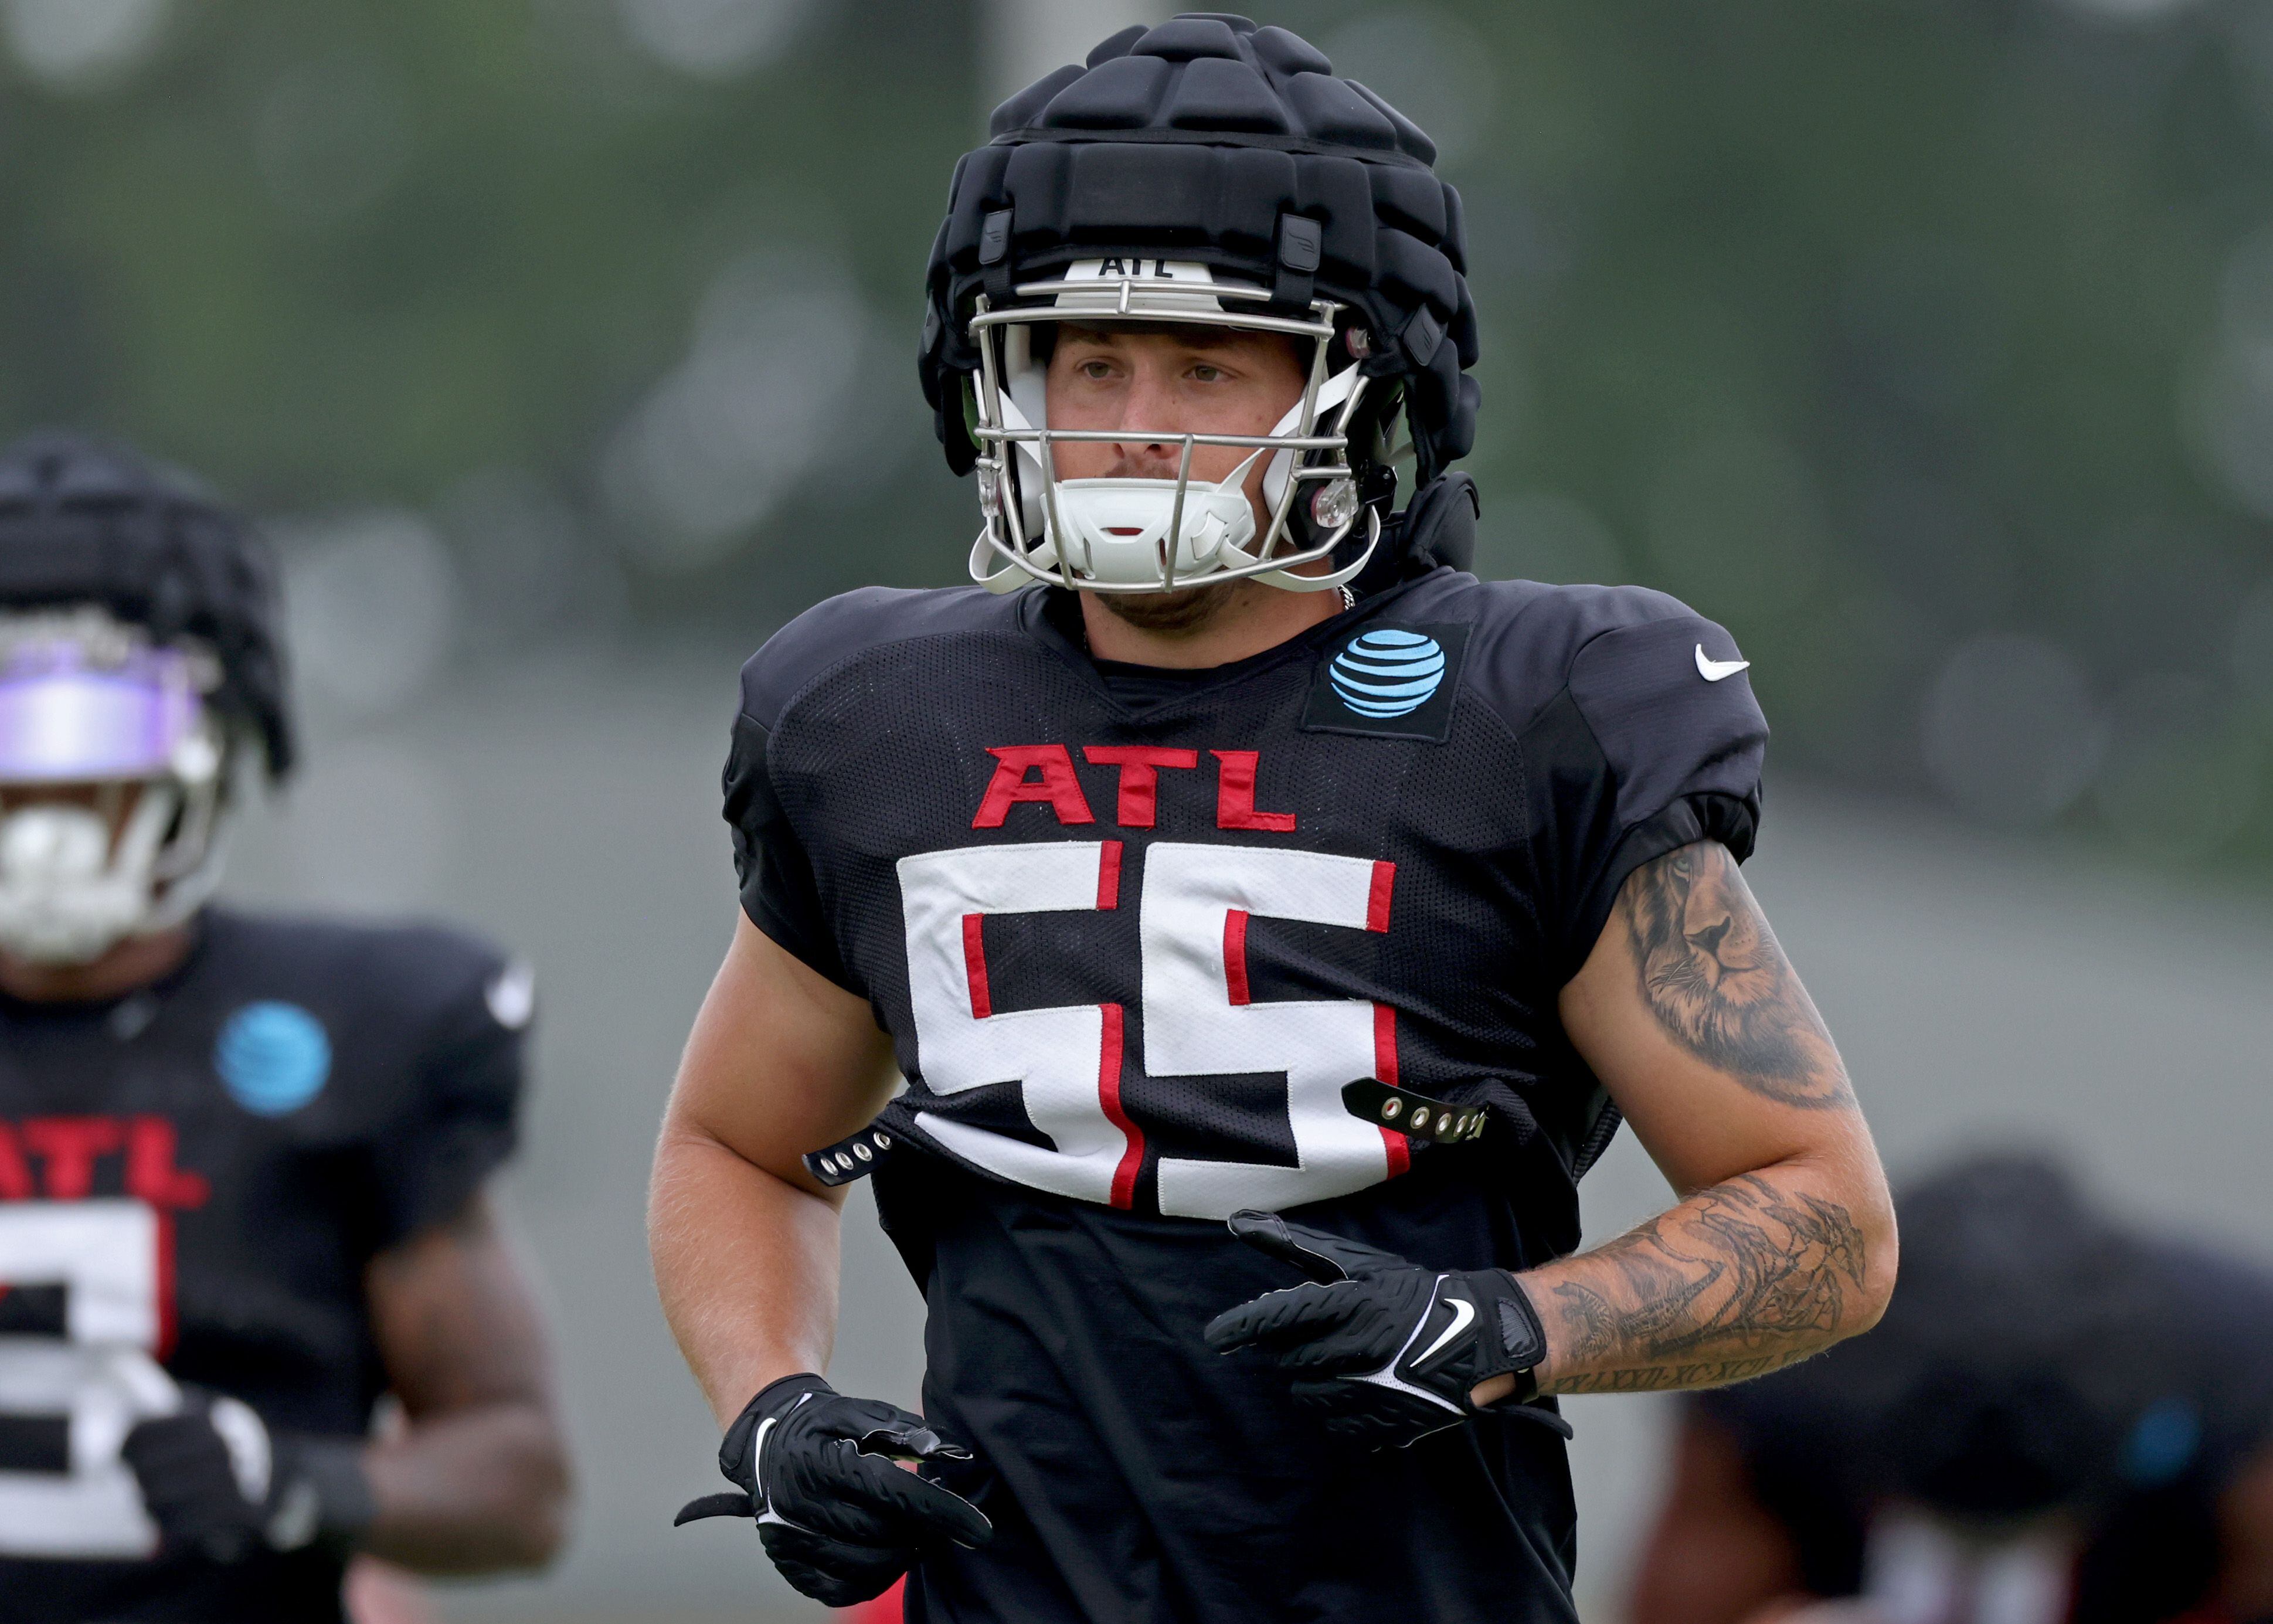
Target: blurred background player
<point>243,1160</point>
<point>2060,1418</point>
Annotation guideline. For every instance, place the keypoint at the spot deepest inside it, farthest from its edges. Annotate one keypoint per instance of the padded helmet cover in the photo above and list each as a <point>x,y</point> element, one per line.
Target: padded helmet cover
<point>84,521</point>
<point>1195,140</point>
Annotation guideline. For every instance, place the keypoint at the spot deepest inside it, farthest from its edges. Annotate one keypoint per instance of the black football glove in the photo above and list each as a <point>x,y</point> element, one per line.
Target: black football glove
<point>838,1518</point>
<point>1384,1350</point>
<point>216,1481</point>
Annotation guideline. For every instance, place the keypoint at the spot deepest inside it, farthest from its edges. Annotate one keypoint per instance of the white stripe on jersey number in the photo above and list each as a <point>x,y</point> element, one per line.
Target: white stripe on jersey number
<point>100,1375</point>
<point>1197,1021</point>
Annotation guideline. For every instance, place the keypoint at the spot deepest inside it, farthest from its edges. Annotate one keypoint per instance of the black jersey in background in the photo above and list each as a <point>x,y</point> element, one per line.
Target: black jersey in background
<point>192,1180</point>
<point>1821,1442</point>
<point>1131,933</point>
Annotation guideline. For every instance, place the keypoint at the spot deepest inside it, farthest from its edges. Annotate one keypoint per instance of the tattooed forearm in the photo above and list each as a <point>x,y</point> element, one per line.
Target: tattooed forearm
<point>1738,1280</point>
<point>1671,1378</point>
<point>1592,1322</point>
<point>1711,974</point>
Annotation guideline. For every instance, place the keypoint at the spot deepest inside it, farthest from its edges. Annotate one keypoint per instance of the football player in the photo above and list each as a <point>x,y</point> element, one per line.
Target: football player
<point>1273,922</point>
<point>2061,1418</point>
<point>242,1158</point>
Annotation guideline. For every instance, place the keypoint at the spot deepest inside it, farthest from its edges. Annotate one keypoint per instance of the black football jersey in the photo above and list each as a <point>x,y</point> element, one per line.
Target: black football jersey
<point>192,1179</point>
<point>1133,931</point>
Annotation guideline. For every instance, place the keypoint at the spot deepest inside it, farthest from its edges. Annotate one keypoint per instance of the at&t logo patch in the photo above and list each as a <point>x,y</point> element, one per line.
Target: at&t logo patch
<point>1393,681</point>
<point>273,1058</point>
<point>1387,673</point>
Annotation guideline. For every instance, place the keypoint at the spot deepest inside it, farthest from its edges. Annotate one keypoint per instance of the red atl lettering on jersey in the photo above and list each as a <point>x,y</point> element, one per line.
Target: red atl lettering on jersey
<point>1057,786</point>
<point>1044,773</point>
<point>151,1175</point>
<point>1138,802</point>
<point>69,1149</point>
<point>1235,794</point>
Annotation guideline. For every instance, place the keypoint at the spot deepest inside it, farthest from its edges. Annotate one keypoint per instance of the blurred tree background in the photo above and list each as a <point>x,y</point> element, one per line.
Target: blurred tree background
<point>1926,343</point>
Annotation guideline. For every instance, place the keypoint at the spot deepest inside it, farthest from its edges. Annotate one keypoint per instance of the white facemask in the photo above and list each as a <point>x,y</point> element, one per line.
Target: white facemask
<point>64,897</point>
<point>1112,534</point>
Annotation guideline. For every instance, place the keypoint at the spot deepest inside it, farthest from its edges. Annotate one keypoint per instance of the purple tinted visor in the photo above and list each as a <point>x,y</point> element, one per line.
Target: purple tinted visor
<point>62,718</point>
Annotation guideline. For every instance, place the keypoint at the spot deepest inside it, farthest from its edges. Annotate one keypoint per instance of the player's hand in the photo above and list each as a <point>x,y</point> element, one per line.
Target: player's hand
<point>1384,1350</point>
<point>216,1481</point>
<point>818,1471</point>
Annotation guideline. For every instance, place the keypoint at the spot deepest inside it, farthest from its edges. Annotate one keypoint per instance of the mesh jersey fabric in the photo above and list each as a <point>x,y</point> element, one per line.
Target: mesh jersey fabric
<point>1815,1441</point>
<point>295,1098</point>
<point>1128,954</point>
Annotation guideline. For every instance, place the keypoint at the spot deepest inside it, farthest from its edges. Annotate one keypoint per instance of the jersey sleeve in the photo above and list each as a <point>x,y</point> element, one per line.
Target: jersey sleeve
<point>460,1117</point>
<point>771,864</point>
<point>1654,742</point>
<point>782,855</point>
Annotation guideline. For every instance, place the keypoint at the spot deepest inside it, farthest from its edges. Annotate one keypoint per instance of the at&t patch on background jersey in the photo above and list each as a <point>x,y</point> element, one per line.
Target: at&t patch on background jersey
<point>273,1058</point>
<point>1393,681</point>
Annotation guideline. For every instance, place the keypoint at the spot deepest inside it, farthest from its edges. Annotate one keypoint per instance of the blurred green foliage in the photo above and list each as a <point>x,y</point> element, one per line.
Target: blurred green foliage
<point>1872,330</point>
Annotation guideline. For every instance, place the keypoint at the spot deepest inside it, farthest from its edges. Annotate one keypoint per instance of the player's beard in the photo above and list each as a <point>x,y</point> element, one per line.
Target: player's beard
<point>1179,613</point>
<point>1186,611</point>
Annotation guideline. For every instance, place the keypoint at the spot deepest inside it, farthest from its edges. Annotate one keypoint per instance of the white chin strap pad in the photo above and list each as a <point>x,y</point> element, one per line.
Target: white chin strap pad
<point>1116,529</point>
<point>64,897</point>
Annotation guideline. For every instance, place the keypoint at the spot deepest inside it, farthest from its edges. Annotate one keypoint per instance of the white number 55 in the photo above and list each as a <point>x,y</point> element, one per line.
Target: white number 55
<point>1198,1018</point>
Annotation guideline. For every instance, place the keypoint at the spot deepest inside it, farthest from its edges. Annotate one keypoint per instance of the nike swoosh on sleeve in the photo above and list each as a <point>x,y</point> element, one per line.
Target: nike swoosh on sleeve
<point>1716,670</point>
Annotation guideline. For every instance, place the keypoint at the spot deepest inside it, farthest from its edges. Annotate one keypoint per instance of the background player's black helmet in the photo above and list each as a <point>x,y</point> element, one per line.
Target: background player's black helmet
<point>1208,141</point>
<point>85,521</point>
<point>2033,1332</point>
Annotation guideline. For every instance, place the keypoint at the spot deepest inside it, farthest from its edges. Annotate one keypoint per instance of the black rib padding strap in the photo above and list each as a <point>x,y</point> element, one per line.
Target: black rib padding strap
<point>84,521</point>
<point>1210,139</point>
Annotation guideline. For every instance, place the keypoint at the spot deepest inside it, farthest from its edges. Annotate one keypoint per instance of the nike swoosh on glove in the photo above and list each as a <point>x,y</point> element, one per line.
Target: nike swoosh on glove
<point>215,1480</point>
<point>838,1517</point>
<point>1384,1350</point>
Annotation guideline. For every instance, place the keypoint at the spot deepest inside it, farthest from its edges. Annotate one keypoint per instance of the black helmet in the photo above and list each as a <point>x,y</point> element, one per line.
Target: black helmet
<point>2033,1329</point>
<point>1207,150</point>
<point>83,521</point>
